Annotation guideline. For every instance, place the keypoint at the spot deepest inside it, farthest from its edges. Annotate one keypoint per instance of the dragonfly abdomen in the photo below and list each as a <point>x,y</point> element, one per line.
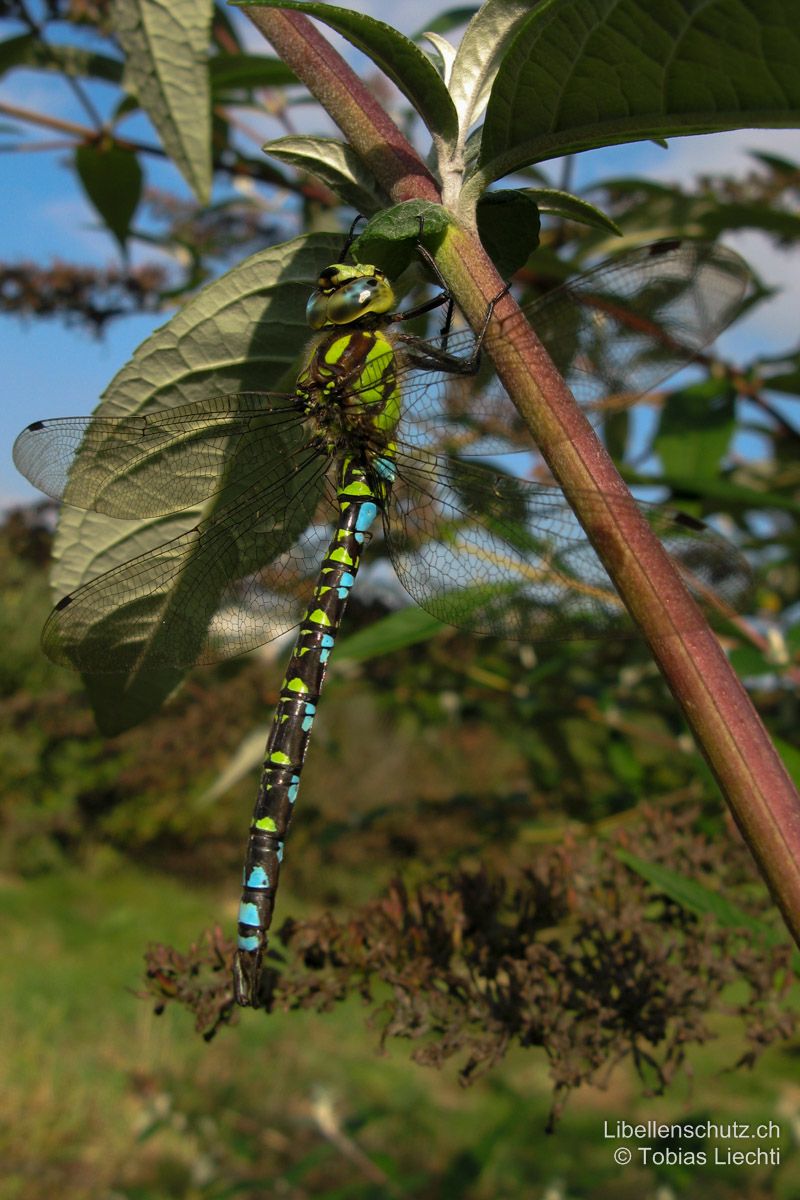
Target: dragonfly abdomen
<point>294,717</point>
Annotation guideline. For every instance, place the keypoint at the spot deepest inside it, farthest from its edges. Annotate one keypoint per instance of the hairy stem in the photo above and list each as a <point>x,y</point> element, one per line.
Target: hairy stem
<point>373,135</point>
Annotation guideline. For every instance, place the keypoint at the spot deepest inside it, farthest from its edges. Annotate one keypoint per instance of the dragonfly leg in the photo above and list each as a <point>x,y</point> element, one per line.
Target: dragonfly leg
<point>351,237</point>
<point>444,296</point>
<point>433,359</point>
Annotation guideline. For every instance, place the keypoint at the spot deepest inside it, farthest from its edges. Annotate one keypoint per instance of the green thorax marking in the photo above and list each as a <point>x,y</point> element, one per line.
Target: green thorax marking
<point>356,373</point>
<point>348,378</point>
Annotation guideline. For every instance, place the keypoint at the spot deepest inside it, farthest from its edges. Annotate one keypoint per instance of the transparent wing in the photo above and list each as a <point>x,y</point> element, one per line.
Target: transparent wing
<point>153,464</point>
<point>228,585</point>
<point>495,554</point>
<point>614,333</point>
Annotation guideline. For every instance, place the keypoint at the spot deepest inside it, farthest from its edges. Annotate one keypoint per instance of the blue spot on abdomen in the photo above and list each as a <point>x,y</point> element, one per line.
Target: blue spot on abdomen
<point>259,879</point>
<point>248,914</point>
<point>366,515</point>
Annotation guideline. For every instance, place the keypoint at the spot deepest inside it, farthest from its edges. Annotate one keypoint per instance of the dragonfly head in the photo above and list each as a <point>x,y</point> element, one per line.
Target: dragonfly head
<point>345,293</point>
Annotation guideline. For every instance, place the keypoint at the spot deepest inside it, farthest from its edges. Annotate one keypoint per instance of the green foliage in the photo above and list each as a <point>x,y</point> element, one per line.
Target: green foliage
<point>112,178</point>
<point>508,224</point>
<point>248,323</point>
<point>395,632</point>
<point>486,757</point>
<point>389,239</point>
<point>154,1112</point>
<point>695,429</point>
<point>500,52</point>
<point>609,73</point>
<point>335,165</point>
<point>165,68</point>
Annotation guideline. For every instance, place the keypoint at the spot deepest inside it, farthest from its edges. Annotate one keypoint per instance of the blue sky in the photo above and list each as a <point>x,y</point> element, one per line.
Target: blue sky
<point>50,370</point>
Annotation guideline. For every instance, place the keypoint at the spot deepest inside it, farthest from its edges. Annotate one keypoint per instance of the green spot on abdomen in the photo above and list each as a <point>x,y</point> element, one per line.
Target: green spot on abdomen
<point>357,488</point>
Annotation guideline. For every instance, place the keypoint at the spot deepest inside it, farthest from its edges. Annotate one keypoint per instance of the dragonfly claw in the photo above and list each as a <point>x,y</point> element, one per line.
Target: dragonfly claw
<point>247,977</point>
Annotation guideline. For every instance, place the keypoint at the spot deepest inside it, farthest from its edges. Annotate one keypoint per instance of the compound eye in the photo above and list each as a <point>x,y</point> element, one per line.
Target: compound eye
<point>317,310</point>
<point>328,278</point>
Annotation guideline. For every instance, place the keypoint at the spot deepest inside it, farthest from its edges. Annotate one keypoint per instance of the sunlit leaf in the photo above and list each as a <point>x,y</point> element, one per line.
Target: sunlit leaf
<point>556,203</point>
<point>112,179</point>
<point>695,429</point>
<point>166,49</point>
<point>479,55</point>
<point>583,73</point>
<point>400,629</point>
<point>389,239</point>
<point>335,165</point>
<point>241,333</point>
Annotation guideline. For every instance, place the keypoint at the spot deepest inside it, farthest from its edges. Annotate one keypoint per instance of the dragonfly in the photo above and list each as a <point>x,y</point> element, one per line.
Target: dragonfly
<point>384,424</point>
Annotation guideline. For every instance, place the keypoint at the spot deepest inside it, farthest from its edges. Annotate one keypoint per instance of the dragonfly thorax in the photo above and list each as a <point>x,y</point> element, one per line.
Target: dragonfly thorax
<point>348,390</point>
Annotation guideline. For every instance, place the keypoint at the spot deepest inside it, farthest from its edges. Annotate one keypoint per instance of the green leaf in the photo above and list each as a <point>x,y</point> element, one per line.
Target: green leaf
<point>166,53</point>
<point>241,333</point>
<point>749,660</point>
<point>389,239</point>
<point>695,429</point>
<point>441,53</point>
<point>652,209</point>
<point>479,55</point>
<point>395,632</point>
<point>776,162</point>
<point>452,18</point>
<point>508,225</point>
<point>716,490</point>
<point>623,763</point>
<point>336,165</point>
<point>791,758</point>
<point>29,51</point>
<point>112,179</point>
<point>587,73</point>
<point>563,204</point>
<point>720,218</point>
<point>694,896</point>
<point>397,57</point>
<point>231,72</point>
<point>616,428</point>
<point>787,381</point>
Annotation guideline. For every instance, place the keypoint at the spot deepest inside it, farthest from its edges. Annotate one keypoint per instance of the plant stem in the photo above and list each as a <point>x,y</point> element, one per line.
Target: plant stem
<point>370,130</point>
